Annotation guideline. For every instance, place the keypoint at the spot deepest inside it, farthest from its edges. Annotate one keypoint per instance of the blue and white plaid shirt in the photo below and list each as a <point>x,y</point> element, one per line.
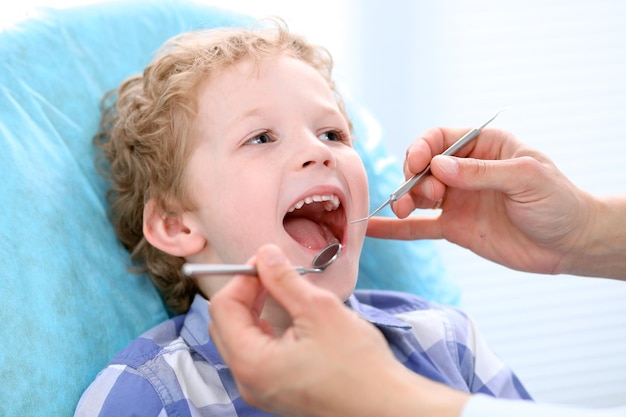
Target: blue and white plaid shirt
<point>175,369</point>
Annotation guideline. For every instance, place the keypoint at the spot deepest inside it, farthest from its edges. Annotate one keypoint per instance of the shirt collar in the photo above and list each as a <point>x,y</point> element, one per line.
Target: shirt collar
<point>195,330</point>
<point>378,317</point>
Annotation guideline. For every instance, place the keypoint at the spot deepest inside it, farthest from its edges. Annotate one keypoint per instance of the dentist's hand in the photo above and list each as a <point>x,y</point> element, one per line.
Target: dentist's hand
<point>329,362</point>
<point>500,199</point>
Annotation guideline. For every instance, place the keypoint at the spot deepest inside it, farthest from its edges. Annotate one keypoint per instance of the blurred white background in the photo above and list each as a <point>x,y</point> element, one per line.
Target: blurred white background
<point>560,67</point>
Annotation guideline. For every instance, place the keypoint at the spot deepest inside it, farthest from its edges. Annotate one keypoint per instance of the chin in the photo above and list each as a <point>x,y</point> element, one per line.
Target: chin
<point>340,278</point>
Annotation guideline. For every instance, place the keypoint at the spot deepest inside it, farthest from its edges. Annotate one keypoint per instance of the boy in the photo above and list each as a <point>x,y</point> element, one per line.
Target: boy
<point>229,140</point>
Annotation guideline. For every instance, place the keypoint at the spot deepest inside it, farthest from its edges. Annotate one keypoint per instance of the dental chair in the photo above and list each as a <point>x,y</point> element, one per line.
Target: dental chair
<point>69,301</point>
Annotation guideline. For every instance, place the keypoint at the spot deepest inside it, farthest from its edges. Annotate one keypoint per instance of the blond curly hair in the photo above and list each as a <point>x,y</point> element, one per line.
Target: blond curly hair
<point>146,134</point>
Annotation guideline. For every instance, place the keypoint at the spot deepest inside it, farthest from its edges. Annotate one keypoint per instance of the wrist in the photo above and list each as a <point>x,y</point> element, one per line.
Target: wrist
<point>601,248</point>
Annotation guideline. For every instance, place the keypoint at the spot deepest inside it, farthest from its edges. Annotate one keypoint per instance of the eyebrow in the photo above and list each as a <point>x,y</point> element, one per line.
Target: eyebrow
<point>323,111</point>
<point>329,111</point>
<point>241,117</point>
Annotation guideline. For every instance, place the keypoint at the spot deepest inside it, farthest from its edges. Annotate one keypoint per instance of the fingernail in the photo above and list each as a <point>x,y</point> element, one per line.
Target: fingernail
<point>427,189</point>
<point>273,255</point>
<point>447,164</point>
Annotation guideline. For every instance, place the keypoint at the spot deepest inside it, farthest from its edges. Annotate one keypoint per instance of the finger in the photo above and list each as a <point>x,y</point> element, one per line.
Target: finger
<point>431,189</point>
<point>423,195</point>
<point>432,142</point>
<point>476,174</point>
<point>235,309</point>
<point>411,228</point>
<point>282,282</point>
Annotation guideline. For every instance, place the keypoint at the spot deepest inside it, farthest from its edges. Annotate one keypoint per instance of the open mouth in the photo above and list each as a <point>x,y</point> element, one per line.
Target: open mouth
<point>316,221</point>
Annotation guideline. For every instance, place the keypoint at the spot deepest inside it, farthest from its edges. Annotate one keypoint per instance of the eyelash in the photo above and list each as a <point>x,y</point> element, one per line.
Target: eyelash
<point>253,141</point>
<point>340,137</point>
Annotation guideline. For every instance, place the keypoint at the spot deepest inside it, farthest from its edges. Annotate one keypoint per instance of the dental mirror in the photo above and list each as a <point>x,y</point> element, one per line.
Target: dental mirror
<point>321,261</point>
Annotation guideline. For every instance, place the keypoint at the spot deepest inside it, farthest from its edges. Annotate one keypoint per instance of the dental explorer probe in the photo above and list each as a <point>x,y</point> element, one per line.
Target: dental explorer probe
<point>411,182</point>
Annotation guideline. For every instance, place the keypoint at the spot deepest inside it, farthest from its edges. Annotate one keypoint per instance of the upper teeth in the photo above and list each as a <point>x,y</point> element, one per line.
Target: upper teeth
<point>331,202</point>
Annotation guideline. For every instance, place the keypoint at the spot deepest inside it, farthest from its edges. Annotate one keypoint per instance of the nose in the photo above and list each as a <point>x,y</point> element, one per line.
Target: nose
<point>314,151</point>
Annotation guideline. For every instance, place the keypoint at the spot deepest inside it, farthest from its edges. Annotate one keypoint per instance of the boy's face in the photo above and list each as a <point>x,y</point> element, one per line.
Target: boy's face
<point>271,138</point>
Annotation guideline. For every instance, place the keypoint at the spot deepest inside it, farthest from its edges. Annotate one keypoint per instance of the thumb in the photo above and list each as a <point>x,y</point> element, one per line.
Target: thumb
<point>476,174</point>
<point>282,282</point>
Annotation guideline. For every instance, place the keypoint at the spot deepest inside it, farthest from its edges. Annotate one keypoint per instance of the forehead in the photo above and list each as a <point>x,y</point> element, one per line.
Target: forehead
<point>255,82</point>
<point>263,69</point>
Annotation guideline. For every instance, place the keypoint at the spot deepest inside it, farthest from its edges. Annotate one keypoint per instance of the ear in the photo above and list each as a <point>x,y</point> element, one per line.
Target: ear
<point>169,232</point>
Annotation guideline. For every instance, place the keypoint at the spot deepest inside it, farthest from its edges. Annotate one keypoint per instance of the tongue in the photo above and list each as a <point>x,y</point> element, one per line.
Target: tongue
<point>308,233</point>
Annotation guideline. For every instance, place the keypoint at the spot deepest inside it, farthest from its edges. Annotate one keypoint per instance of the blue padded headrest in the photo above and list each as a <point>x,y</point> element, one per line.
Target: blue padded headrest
<point>69,301</point>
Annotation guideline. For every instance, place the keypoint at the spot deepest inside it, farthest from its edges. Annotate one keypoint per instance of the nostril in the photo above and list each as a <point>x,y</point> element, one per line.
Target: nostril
<point>327,162</point>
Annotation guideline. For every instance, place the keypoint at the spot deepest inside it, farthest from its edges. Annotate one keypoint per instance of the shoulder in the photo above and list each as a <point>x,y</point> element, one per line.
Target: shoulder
<point>427,319</point>
<point>392,301</point>
<point>395,302</point>
<point>161,338</point>
<point>129,383</point>
<point>114,392</point>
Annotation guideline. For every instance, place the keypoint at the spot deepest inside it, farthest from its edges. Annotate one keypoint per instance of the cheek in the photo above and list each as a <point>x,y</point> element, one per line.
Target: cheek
<point>230,205</point>
<point>237,217</point>
<point>358,183</point>
<point>360,201</point>
<point>229,238</point>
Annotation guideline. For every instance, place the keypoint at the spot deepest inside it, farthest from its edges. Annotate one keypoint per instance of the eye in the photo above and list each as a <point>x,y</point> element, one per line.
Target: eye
<point>334,136</point>
<point>260,139</point>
